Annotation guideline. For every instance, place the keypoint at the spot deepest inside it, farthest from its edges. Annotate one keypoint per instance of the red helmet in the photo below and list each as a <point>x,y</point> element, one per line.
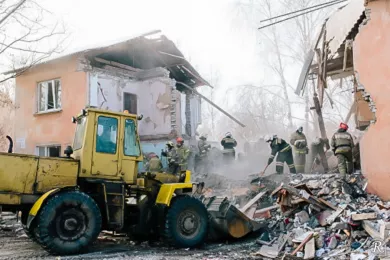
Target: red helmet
<point>179,140</point>
<point>344,126</point>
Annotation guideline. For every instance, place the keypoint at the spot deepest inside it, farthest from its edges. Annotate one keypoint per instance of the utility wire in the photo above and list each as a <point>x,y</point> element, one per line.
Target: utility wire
<point>297,11</point>
<point>295,16</point>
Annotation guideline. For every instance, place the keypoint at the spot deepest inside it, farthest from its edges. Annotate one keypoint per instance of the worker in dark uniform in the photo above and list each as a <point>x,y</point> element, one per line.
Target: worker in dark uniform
<point>229,143</point>
<point>299,142</point>
<point>283,149</point>
<point>342,146</point>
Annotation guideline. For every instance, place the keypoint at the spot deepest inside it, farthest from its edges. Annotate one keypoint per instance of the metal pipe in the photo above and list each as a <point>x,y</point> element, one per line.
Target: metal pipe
<point>211,103</point>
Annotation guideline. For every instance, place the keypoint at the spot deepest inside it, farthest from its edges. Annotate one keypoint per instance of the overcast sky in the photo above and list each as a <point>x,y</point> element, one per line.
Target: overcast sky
<point>203,30</point>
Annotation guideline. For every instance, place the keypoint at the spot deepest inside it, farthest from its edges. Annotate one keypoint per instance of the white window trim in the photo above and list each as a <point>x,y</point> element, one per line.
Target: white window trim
<point>46,148</point>
<point>47,97</point>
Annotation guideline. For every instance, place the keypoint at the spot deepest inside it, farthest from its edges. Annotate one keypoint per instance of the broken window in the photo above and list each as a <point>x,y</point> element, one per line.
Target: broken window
<point>49,95</point>
<point>49,151</point>
<point>130,102</point>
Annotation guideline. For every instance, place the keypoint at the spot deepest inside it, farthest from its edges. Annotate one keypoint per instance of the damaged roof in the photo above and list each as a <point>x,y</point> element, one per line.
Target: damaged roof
<point>342,24</point>
<point>147,51</point>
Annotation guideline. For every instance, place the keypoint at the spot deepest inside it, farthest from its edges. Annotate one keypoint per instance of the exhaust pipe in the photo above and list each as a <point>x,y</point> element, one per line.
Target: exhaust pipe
<point>11,144</point>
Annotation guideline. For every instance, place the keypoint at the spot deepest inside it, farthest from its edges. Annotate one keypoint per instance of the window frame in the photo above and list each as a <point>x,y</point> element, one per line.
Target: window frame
<point>136,139</point>
<point>117,134</point>
<point>46,147</point>
<point>136,102</point>
<point>55,96</point>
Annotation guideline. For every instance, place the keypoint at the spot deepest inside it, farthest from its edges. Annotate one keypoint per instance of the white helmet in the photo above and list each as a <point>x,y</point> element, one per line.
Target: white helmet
<point>228,134</point>
<point>268,138</point>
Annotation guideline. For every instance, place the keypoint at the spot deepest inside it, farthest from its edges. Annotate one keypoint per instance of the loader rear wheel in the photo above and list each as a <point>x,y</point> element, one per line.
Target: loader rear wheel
<point>186,222</point>
<point>68,223</point>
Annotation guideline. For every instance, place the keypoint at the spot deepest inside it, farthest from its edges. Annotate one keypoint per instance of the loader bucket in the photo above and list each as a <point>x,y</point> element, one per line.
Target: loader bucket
<point>226,220</point>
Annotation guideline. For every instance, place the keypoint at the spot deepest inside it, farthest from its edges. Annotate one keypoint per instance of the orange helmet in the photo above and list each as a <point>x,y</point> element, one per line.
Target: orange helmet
<point>179,140</point>
<point>344,126</point>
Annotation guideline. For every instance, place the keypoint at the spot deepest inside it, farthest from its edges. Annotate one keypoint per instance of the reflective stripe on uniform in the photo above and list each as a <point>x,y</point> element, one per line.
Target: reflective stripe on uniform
<point>279,163</point>
<point>342,136</point>
<point>272,156</point>
<point>285,149</point>
<point>291,166</point>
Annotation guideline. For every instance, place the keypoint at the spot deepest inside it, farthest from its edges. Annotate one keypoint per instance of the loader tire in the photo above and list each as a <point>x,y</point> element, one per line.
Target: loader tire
<point>68,223</point>
<point>186,223</point>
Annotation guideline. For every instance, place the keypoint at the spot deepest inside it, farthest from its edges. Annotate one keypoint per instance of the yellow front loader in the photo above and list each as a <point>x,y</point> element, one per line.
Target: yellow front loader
<point>66,202</point>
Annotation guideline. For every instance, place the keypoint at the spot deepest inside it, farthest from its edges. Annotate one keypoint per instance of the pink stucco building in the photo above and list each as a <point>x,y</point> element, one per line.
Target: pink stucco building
<point>356,40</point>
<point>142,75</point>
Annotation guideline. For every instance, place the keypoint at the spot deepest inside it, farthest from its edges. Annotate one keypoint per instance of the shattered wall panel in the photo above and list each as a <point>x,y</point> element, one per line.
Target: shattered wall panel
<point>153,100</point>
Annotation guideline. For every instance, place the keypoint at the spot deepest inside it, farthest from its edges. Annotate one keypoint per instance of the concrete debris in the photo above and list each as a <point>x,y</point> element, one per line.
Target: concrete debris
<point>325,217</point>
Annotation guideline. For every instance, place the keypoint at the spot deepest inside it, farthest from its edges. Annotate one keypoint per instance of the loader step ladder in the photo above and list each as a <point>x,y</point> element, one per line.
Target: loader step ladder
<point>114,198</point>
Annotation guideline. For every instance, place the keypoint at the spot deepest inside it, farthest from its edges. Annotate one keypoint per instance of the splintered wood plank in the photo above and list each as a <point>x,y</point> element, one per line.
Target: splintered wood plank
<point>364,216</point>
<point>253,201</point>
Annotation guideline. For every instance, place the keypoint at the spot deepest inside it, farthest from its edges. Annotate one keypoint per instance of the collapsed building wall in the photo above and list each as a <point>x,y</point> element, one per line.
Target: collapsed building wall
<point>151,97</point>
<point>371,61</point>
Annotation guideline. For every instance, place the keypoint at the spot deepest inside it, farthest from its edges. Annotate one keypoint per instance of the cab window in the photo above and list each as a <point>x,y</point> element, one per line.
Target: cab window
<point>106,135</point>
<point>131,146</point>
<point>79,136</point>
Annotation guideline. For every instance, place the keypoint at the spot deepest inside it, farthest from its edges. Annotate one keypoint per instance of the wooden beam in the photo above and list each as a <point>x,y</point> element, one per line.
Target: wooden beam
<point>307,239</point>
<point>253,201</point>
<point>321,123</point>
<point>211,103</point>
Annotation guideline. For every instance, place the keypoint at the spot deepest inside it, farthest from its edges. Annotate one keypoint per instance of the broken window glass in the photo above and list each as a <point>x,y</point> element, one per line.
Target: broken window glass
<point>49,95</point>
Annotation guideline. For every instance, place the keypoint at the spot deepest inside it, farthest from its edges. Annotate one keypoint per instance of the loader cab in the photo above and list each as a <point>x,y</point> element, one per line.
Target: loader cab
<point>107,145</point>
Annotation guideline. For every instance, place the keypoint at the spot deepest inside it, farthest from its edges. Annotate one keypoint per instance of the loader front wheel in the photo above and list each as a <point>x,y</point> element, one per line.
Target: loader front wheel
<point>68,223</point>
<point>186,222</point>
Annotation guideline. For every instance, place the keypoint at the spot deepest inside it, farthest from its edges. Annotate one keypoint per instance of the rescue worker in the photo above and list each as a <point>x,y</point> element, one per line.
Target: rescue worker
<point>228,143</point>
<point>154,164</point>
<point>182,154</point>
<point>283,149</point>
<point>203,146</point>
<point>342,145</point>
<point>317,154</point>
<point>299,142</point>
<point>201,165</point>
<point>171,155</point>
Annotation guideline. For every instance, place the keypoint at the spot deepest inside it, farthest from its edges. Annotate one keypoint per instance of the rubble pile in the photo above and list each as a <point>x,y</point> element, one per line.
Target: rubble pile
<point>324,217</point>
